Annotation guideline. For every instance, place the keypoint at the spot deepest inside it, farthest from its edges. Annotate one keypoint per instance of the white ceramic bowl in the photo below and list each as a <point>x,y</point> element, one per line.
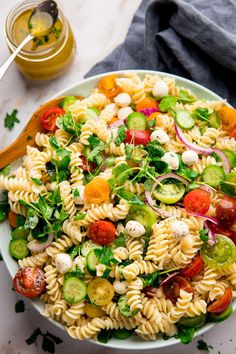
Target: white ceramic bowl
<point>83,88</point>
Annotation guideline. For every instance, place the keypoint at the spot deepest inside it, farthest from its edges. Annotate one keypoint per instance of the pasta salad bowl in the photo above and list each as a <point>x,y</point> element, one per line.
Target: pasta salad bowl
<point>133,237</point>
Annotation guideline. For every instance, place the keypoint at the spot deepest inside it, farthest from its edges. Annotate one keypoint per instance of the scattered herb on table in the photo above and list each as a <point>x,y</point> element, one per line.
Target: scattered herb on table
<point>11,119</point>
<point>20,306</point>
<point>201,345</point>
<point>48,343</point>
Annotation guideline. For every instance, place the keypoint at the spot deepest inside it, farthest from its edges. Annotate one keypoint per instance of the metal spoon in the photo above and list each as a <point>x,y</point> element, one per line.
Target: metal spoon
<point>40,22</point>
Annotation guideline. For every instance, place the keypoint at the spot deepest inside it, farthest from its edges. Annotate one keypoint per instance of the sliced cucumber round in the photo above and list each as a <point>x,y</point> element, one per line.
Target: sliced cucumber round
<point>213,175</point>
<point>18,248</point>
<point>196,322</point>
<point>136,121</point>
<point>93,259</point>
<point>143,214</point>
<point>169,192</point>
<point>228,186</point>
<point>184,119</point>
<point>67,101</point>
<point>20,232</point>
<point>74,290</point>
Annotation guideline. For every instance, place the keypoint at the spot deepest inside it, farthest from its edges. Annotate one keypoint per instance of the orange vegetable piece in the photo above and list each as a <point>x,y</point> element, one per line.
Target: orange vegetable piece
<point>153,116</point>
<point>108,86</point>
<point>97,191</point>
<point>114,119</point>
<point>12,219</point>
<point>228,117</point>
<point>147,102</point>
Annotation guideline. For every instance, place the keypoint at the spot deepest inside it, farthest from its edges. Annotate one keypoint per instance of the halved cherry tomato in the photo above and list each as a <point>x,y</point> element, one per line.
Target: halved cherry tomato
<point>226,211</point>
<point>174,285</point>
<point>147,102</point>
<point>93,311</point>
<point>222,303</point>
<point>228,117</point>
<point>233,237</point>
<point>197,201</point>
<point>29,282</point>
<point>12,219</point>
<point>102,232</point>
<point>49,117</point>
<point>100,291</point>
<point>87,166</point>
<point>233,133</point>
<point>153,116</point>
<point>108,86</point>
<point>137,137</point>
<point>194,268</point>
<point>97,191</point>
<point>220,230</point>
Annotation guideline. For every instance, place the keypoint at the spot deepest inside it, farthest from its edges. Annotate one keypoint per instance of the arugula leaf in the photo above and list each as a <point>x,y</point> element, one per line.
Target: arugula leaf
<point>192,186</point>
<point>104,336</point>
<point>186,335</point>
<point>106,255</point>
<point>151,280</point>
<point>132,198</point>
<point>5,171</point>
<point>167,103</point>
<point>186,172</point>
<point>160,166</point>
<point>203,114</point>
<point>120,240</point>
<point>75,251</point>
<point>48,345</point>
<point>77,273</point>
<point>37,181</point>
<point>31,219</point>
<point>76,193</point>
<point>203,234</point>
<point>97,146</point>
<point>29,137</point>
<point>79,216</point>
<point>121,136</point>
<point>11,119</point>
<point>56,339</point>
<point>186,97</point>
<point>45,209</point>
<point>121,173</point>
<point>69,125</point>
<point>37,332</point>
<point>20,306</point>
<point>154,149</point>
<point>55,144</point>
<point>201,345</point>
<point>129,151</point>
<point>48,342</point>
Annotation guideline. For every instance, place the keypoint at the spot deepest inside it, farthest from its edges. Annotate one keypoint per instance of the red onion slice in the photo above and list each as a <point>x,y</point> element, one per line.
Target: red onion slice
<point>224,160</point>
<point>170,175</point>
<point>148,111</point>
<point>163,282</point>
<point>151,203</point>
<point>41,246</point>
<point>209,218</point>
<point>117,124</point>
<point>206,188</point>
<point>211,234</point>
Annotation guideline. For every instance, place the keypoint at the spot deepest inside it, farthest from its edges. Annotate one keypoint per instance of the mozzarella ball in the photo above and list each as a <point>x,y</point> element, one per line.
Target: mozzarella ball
<point>186,243</point>
<point>172,159</point>
<point>63,262</point>
<point>123,99</point>
<point>160,89</point>
<point>189,157</point>
<point>120,287</point>
<point>124,112</point>
<point>160,135</point>
<point>134,228</point>
<point>79,199</point>
<point>100,269</point>
<point>179,229</point>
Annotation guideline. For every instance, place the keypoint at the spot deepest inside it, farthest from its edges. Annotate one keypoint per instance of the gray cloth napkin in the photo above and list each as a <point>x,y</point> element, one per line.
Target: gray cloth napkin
<point>195,39</point>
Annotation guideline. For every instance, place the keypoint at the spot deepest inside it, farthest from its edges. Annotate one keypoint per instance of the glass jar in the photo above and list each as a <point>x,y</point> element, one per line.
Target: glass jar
<point>51,59</point>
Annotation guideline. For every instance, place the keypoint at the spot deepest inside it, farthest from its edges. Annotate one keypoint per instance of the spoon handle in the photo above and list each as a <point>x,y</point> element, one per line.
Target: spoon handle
<point>6,65</point>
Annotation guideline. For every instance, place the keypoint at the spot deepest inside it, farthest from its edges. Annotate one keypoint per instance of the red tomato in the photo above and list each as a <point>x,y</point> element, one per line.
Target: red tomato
<point>48,118</point>
<point>226,212</point>
<point>197,201</point>
<point>87,166</point>
<point>137,137</point>
<point>233,237</point>
<point>233,133</point>
<point>222,303</point>
<point>12,219</point>
<point>29,282</point>
<point>174,285</point>
<point>102,232</point>
<point>194,268</point>
<point>220,230</point>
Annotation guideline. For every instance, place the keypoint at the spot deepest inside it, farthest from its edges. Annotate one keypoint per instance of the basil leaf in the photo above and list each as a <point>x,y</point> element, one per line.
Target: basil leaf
<point>167,103</point>
<point>121,173</point>
<point>132,198</point>
<point>186,97</point>
<point>55,144</point>
<point>121,135</point>
<point>37,181</point>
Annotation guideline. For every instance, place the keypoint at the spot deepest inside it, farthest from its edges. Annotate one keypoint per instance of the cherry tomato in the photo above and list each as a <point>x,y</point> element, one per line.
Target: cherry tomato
<point>174,285</point>
<point>233,133</point>
<point>226,211</point>
<point>49,117</point>
<point>194,268</point>
<point>87,166</point>
<point>228,117</point>
<point>233,237</point>
<point>12,219</point>
<point>137,137</point>
<point>93,311</point>
<point>197,201</point>
<point>147,102</point>
<point>100,291</point>
<point>222,303</point>
<point>29,282</point>
<point>97,191</point>
<point>108,86</point>
<point>220,230</point>
<point>102,232</point>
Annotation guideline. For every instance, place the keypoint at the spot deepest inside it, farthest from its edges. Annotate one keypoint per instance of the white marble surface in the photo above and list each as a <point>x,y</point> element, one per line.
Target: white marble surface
<point>99,26</point>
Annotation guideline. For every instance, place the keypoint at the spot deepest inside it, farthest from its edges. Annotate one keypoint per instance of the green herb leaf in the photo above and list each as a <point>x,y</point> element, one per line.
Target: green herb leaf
<point>11,119</point>
<point>106,256</point>
<point>77,273</point>
<point>186,172</point>
<point>132,198</point>
<point>45,209</point>
<point>120,240</point>
<point>201,345</point>
<point>154,150</point>
<point>5,171</point>
<point>75,251</point>
<point>148,184</point>
<point>31,219</point>
<point>104,336</point>
<point>151,280</point>
<point>79,216</point>
<point>186,97</point>
<point>55,144</point>
<point>121,136</point>
<point>121,173</point>
<point>37,181</point>
<point>186,335</point>
<point>48,345</point>
<point>167,103</point>
<point>20,306</point>
<point>76,193</point>
<point>97,146</point>
<point>55,339</point>
<point>204,235</point>
<point>37,332</point>
<point>129,148</point>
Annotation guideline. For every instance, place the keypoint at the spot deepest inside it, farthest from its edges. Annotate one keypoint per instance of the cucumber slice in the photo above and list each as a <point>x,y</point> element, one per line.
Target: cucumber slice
<point>196,322</point>
<point>228,186</point>
<point>184,119</point>
<point>213,175</point>
<point>124,308</point>
<point>231,156</point>
<point>87,247</point>
<point>136,121</point>
<point>74,290</point>
<point>67,101</point>
<point>18,248</point>
<point>219,317</point>
<point>169,192</point>
<point>20,232</point>
<point>93,259</point>
<point>143,214</point>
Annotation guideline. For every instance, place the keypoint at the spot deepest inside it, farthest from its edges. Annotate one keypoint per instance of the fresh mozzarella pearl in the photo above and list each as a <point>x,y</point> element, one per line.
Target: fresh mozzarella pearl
<point>189,157</point>
<point>120,287</point>
<point>80,198</point>
<point>186,243</point>
<point>123,99</point>
<point>100,269</point>
<point>134,228</point>
<point>63,262</point>
<point>124,112</point>
<point>160,89</point>
<point>172,159</point>
<point>180,229</point>
<point>160,135</point>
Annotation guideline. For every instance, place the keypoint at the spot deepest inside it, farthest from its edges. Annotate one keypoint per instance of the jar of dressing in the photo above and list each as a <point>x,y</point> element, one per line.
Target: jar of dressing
<point>43,58</point>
